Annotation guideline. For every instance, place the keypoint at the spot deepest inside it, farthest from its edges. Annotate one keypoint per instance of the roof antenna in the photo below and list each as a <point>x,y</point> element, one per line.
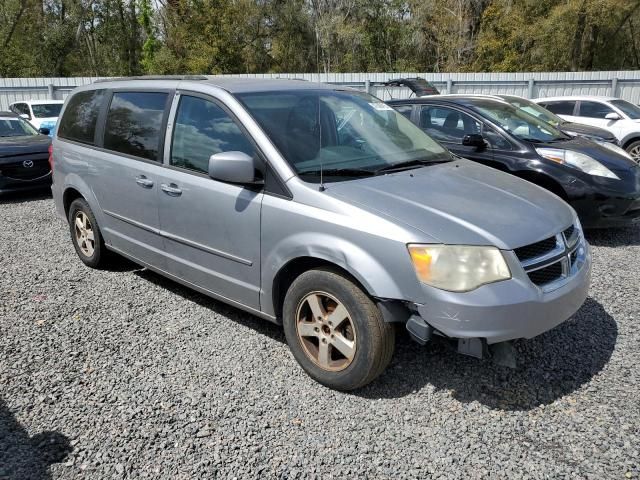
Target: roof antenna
<point>322,187</point>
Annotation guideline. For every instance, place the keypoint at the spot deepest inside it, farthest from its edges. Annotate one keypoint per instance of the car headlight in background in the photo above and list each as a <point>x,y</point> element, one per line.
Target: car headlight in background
<point>458,268</point>
<point>615,148</point>
<point>576,160</point>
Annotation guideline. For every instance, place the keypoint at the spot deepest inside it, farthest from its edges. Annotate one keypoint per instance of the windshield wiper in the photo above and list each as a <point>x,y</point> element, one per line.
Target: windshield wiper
<point>339,172</point>
<point>416,163</point>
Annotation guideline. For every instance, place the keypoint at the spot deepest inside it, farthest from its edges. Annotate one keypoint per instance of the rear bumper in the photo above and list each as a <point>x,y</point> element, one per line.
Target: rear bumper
<point>507,310</point>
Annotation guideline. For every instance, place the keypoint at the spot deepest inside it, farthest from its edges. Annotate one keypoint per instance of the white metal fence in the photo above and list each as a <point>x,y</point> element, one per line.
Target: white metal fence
<point>623,84</point>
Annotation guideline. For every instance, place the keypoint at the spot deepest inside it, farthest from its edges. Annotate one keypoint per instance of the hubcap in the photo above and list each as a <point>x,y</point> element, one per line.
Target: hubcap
<point>635,154</point>
<point>326,331</point>
<point>84,234</point>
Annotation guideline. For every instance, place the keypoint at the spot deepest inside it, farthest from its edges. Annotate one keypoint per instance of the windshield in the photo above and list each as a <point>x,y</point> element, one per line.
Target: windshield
<point>341,132</point>
<point>15,127</point>
<point>535,110</point>
<point>44,110</point>
<point>630,110</point>
<point>520,123</point>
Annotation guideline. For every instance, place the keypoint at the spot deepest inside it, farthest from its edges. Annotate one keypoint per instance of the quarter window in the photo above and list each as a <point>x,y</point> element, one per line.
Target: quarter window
<point>79,120</point>
<point>202,129</point>
<point>134,123</point>
<point>594,110</point>
<point>560,108</point>
<point>446,124</point>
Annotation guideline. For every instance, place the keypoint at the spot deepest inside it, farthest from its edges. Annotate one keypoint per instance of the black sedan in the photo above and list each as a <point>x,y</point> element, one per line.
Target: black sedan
<point>24,155</point>
<point>598,179</point>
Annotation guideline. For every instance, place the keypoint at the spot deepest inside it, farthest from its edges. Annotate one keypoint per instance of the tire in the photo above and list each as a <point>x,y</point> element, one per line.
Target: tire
<point>348,322</point>
<point>633,149</point>
<point>92,252</point>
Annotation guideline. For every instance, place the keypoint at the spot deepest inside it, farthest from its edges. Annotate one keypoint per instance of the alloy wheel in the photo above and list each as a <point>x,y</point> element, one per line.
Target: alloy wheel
<point>85,237</point>
<point>326,331</point>
<point>635,154</point>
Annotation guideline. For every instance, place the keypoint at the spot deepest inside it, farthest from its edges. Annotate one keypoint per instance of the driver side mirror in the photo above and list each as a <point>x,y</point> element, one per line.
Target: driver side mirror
<point>612,116</point>
<point>473,140</point>
<point>233,167</point>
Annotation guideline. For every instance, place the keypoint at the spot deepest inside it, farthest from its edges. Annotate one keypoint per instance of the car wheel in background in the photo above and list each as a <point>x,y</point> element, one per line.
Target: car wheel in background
<point>633,149</point>
<point>335,331</point>
<point>85,234</point>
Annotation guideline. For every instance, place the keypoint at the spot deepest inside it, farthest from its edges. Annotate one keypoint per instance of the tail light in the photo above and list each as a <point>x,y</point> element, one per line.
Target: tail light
<point>51,157</point>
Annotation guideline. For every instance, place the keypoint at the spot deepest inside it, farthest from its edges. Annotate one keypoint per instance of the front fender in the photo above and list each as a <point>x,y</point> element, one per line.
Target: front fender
<point>391,276</point>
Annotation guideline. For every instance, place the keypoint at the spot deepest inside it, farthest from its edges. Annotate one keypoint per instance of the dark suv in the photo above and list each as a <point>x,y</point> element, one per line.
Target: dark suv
<point>598,179</point>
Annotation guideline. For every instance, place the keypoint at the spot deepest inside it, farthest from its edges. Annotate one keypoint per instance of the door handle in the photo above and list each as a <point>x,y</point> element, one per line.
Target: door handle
<point>144,181</point>
<point>171,189</point>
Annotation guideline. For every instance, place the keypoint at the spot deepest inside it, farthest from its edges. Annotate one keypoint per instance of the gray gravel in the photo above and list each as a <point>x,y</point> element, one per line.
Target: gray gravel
<point>123,374</point>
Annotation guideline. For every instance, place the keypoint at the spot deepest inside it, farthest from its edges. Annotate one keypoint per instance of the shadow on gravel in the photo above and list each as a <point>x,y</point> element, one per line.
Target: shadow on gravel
<point>614,237</point>
<point>260,325</point>
<point>22,197</point>
<point>28,458</point>
<point>550,366</point>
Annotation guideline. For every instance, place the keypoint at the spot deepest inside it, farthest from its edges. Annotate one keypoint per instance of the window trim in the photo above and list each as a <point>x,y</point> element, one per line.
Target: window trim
<point>104,112</point>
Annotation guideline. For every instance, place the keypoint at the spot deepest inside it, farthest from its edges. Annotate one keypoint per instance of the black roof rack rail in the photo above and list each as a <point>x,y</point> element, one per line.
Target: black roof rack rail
<point>155,77</point>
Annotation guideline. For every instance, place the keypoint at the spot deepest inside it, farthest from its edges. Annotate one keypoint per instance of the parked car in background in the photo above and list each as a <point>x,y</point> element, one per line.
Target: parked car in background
<point>41,113</point>
<point>596,134</point>
<point>598,179</point>
<point>316,207</point>
<point>622,118</point>
<point>24,155</point>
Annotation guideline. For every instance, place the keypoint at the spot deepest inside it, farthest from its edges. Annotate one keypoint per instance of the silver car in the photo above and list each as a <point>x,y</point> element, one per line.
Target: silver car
<point>316,207</point>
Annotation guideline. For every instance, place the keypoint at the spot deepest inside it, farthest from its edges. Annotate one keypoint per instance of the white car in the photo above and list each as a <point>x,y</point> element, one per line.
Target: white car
<point>40,113</point>
<point>620,117</point>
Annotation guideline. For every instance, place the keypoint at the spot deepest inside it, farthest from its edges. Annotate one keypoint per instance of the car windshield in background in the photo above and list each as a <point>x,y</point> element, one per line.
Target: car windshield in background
<point>15,127</point>
<point>632,111</point>
<point>536,110</point>
<point>346,134</point>
<point>519,123</point>
<point>45,110</point>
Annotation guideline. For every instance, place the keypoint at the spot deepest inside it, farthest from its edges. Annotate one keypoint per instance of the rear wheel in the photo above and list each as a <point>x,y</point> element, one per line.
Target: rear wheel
<point>633,149</point>
<point>85,234</point>
<point>335,331</point>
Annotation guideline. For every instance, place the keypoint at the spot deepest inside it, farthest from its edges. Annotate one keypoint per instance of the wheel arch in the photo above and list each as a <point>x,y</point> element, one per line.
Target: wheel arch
<point>628,141</point>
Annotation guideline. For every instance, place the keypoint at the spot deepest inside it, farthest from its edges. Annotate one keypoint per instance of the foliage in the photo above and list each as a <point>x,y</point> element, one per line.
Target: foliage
<point>129,37</point>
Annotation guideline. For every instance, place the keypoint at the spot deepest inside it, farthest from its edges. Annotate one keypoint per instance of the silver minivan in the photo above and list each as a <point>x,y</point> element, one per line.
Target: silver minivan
<point>316,207</point>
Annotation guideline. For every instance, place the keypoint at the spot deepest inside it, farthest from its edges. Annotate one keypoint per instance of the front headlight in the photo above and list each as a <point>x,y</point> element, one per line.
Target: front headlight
<point>458,268</point>
<point>576,160</point>
<point>615,148</point>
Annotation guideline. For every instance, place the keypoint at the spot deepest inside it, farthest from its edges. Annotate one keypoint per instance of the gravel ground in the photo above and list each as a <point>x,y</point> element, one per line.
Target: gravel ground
<point>123,374</point>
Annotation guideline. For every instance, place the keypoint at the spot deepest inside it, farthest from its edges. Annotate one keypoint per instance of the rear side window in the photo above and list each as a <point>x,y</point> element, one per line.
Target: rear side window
<point>79,120</point>
<point>594,110</point>
<point>560,108</point>
<point>134,123</point>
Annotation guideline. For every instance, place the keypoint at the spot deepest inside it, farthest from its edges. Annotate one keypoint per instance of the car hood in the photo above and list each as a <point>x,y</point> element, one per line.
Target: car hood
<point>588,130</point>
<point>461,202</point>
<point>23,145</point>
<point>612,160</point>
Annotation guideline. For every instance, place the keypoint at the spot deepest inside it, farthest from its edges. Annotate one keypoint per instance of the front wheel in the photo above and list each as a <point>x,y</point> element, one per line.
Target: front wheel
<point>335,331</point>
<point>633,149</point>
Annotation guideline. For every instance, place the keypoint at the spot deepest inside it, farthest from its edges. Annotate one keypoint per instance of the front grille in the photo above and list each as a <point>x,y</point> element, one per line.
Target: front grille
<point>17,170</point>
<point>569,232</point>
<point>546,275</point>
<point>537,249</point>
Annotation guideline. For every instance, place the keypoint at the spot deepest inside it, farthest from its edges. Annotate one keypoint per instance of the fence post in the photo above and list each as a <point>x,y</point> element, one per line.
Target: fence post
<point>614,87</point>
<point>532,83</point>
<point>367,86</point>
<point>449,86</point>
<point>50,88</point>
